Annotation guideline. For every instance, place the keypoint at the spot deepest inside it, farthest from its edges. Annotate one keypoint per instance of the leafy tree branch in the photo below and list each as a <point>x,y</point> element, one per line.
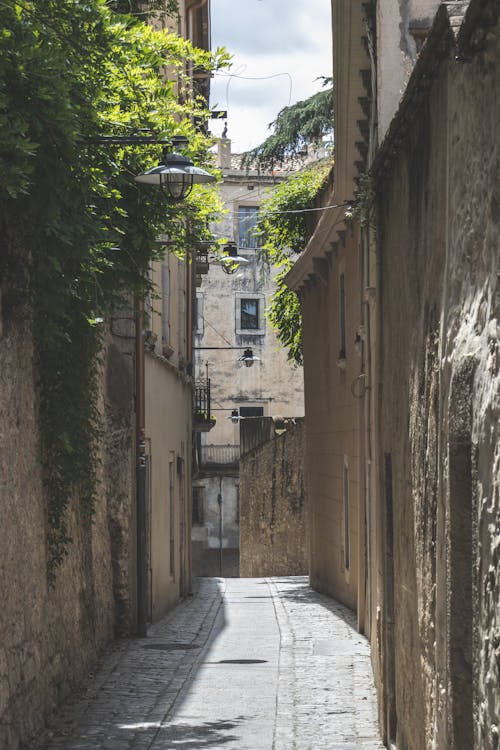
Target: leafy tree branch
<point>296,126</point>
<point>287,226</point>
<point>78,233</point>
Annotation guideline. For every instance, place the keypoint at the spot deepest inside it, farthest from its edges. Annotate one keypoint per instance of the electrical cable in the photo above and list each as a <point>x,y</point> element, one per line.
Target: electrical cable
<point>230,76</point>
<point>308,210</point>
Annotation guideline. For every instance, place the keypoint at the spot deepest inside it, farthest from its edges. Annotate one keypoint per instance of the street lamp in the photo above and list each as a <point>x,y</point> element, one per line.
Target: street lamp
<point>248,358</point>
<point>231,260</point>
<point>175,174</point>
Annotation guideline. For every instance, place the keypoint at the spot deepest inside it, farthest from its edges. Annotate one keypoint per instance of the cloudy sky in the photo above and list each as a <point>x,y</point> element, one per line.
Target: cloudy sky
<point>279,48</point>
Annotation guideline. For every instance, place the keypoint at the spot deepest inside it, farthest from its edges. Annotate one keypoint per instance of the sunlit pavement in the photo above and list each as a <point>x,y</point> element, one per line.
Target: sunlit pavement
<point>244,664</point>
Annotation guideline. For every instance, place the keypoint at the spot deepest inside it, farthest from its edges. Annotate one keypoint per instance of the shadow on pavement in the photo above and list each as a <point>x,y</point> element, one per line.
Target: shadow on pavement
<point>300,592</point>
<point>208,734</point>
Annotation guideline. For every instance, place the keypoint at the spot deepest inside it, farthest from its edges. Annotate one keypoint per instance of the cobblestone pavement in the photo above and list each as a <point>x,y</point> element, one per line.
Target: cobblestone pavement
<point>244,664</point>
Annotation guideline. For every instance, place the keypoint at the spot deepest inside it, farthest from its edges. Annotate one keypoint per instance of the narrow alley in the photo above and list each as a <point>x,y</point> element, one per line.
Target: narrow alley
<point>244,663</point>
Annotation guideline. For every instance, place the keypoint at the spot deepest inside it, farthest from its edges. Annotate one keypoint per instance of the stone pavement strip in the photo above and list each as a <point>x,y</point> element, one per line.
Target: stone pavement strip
<point>244,664</point>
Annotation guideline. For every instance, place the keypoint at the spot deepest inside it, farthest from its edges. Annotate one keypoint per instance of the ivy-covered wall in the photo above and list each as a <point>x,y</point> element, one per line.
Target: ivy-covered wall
<point>50,635</point>
<point>77,238</point>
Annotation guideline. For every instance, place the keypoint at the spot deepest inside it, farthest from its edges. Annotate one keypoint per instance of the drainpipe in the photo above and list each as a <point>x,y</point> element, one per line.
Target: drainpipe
<point>219,500</point>
<point>140,415</point>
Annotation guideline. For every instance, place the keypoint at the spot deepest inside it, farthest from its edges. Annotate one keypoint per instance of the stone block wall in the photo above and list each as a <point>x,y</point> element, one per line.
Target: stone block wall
<point>439,488</point>
<point>50,637</point>
<point>273,502</point>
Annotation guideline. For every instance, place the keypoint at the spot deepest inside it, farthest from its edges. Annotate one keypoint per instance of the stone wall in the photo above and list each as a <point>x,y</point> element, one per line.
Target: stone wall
<point>50,637</point>
<point>438,450</point>
<point>471,383</point>
<point>273,504</point>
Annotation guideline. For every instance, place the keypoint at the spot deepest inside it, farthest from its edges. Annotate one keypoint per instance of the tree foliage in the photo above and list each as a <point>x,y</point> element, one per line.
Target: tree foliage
<point>286,226</point>
<point>295,127</point>
<point>71,71</point>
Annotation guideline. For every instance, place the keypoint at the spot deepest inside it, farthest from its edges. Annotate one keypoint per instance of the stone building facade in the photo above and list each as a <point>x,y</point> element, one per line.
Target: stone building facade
<point>273,516</point>
<point>437,223</point>
<point>418,237</point>
<point>230,319</point>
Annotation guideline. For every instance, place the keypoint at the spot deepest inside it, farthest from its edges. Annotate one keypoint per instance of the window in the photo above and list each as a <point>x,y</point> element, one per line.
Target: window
<point>345,499</point>
<point>198,513</point>
<point>251,411</point>
<point>342,335</point>
<point>247,224</point>
<point>249,312</point>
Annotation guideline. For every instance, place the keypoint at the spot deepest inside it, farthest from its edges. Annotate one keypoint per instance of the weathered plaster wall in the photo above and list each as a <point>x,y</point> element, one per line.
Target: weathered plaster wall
<point>438,439</point>
<point>332,407</point>
<point>397,51</point>
<point>273,515</point>
<point>49,638</point>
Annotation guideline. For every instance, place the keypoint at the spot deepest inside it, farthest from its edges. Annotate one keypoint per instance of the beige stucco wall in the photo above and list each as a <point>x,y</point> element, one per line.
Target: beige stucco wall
<point>168,392</point>
<point>332,428</point>
<point>168,435</point>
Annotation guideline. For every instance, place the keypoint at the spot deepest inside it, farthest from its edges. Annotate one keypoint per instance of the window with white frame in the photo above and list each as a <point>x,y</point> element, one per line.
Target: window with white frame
<point>247,226</point>
<point>250,314</point>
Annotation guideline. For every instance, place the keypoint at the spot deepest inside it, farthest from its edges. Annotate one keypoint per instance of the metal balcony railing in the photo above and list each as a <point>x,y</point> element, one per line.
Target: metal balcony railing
<point>219,455</point>
<point>202,418</point>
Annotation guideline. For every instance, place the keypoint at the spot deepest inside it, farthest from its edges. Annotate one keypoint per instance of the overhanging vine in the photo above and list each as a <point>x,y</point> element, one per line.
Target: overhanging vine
<point>71,71</point>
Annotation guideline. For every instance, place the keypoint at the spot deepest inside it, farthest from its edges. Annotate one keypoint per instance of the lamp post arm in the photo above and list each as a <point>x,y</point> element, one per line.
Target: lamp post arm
<point>130,140</point>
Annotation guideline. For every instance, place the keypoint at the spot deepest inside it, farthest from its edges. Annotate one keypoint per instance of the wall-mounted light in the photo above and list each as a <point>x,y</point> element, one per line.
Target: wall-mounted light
<point>231,260</point>
<point>235,417</point>
<point>248,358</point>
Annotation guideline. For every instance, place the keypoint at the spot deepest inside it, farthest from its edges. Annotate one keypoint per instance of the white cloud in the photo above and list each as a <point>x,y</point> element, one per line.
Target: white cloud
<point>284,45</point>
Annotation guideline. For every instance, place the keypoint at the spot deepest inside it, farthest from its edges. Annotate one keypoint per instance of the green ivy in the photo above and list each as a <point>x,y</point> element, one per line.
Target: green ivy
<point>71,71</point>
<point>287,229</point>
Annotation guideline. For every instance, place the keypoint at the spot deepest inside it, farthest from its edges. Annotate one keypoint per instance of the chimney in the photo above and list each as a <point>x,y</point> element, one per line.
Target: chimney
<point>224,153</point>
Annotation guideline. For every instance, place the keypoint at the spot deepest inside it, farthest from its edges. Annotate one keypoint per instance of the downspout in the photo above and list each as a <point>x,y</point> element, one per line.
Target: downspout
<point>219,500</point>
<point>140,412</point>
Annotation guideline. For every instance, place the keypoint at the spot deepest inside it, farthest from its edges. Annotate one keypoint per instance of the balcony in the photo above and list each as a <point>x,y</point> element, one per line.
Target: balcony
<point>218,456</point>
<point>202,419</point>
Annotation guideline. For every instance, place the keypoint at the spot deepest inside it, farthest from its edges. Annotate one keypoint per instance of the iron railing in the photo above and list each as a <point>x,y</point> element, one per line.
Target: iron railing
<point>219,455</point>
<point>202,418</point>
